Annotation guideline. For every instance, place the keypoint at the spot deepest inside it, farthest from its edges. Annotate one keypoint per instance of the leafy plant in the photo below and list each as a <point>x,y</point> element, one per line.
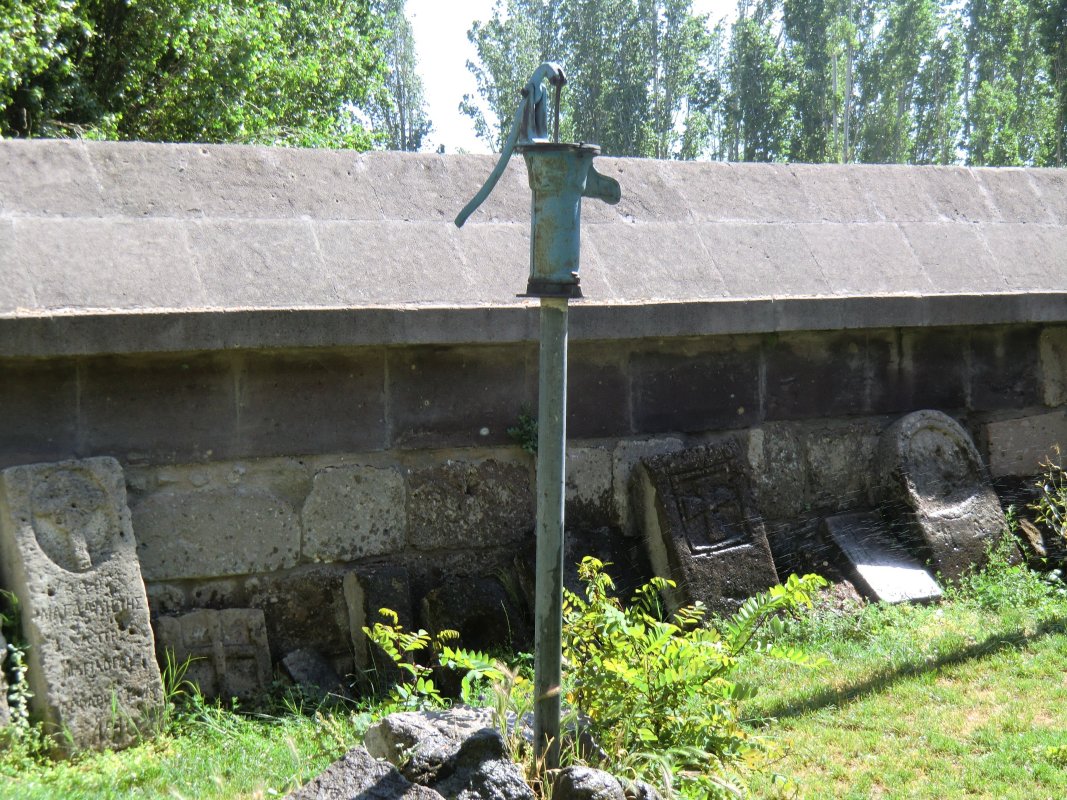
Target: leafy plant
<point>1051,507</point>
<point>524,432</point>
<point>417,653</point>
<point>658,691</point>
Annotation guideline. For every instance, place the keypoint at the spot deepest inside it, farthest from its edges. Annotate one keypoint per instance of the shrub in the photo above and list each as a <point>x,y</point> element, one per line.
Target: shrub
<point>659,692</point>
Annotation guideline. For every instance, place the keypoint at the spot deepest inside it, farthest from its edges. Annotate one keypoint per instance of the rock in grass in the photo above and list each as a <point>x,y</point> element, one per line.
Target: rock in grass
<point>360,776</point>
<point>586,783</point>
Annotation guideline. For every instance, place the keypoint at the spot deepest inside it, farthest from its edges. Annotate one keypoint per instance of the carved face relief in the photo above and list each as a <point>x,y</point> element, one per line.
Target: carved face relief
<point>73,519</point>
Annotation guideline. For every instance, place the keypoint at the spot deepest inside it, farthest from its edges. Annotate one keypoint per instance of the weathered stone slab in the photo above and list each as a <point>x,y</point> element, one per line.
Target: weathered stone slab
<point>933,480</point>
<point>68,553</point>
<point>228,648</point>
<point>461,504</point>
<point>360,776</point>
<point>701,526</point>
<point>213,533</point>
<point>883,568</point>
<point>353,512</point>
<point>624,458</point>
<point>366,590</point>
<point>310,669</point>
<point>1019,446</point>
<point>482,610</point>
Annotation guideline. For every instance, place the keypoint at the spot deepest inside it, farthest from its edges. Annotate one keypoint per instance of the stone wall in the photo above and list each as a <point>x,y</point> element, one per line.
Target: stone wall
<point>307,373</point>
<point>259,480</point>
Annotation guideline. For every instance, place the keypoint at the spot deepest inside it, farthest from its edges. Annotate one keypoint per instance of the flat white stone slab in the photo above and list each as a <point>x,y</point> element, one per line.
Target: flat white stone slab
<point>885,572</point>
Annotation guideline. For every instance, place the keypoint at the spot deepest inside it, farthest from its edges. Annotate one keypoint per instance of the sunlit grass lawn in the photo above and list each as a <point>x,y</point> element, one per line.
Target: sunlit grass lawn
<point>965,699</point>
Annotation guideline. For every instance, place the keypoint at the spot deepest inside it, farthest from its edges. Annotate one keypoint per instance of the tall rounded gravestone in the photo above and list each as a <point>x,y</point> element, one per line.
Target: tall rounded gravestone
<point>931,480</point>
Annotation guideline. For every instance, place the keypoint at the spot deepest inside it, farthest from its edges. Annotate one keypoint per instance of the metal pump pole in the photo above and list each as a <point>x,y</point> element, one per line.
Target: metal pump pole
<point>551,478</point>
<point>560,176</point>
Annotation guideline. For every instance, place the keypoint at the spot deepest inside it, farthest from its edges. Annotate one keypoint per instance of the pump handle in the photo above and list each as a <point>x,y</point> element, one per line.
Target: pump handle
<point>531,119</point>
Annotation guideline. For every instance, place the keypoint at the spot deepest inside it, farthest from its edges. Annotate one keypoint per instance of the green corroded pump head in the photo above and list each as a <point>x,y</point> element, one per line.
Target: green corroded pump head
<point>560,176</point>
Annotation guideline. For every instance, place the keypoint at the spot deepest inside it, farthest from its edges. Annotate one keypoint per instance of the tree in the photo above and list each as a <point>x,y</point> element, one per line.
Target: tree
<point>192,70</point>
<point>638,72</point>
<point>759,104</point>
<point>1009,102</point>
<point>398,110</point>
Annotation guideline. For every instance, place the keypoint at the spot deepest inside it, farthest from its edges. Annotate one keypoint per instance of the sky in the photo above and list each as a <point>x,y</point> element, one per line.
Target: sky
<point>440,30</point>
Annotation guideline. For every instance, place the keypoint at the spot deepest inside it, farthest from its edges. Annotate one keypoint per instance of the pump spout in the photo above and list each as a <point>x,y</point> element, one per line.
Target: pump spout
<point>601,187</point>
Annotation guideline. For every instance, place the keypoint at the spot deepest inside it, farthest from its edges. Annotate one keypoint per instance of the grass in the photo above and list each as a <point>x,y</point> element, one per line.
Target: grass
<point>209,752</point>
<point>963,698</point>
<point>960,699</point>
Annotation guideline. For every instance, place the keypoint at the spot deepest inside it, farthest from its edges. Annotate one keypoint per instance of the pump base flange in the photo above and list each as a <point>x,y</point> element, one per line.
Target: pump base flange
<point>542,288</point>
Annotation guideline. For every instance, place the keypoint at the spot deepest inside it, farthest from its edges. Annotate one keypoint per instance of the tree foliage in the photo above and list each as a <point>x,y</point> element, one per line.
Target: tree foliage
<point>900,81</point>
<point>189,70</point>
<point>397,110</point>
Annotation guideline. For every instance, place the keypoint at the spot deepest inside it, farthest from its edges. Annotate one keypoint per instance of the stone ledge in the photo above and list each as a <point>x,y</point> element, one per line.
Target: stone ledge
<point>95,333</point>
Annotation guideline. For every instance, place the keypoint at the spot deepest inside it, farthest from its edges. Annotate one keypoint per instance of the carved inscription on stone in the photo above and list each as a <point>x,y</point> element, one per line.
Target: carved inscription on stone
<point>701,528</point>
<point>67,551</point>
<point>228,651</point>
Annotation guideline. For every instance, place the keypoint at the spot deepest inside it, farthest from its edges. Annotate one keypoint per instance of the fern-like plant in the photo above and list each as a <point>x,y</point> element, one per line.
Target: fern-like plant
<point>659,691</point>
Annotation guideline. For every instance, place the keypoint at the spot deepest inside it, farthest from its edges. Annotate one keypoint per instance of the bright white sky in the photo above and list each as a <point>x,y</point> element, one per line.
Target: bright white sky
<point>440,28</point>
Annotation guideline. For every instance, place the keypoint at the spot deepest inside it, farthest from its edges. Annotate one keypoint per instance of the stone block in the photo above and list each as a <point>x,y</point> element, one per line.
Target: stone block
<point>801,466</point>
<point>38,411</point>
<point>932,480</point>
<point>461,397</point>
<point>588,487</point>
<point>673,266</point>
<point>68,553</point>
<point>269,263</point>
<point>954,258</point>
<point>366,591</point>
<point>933,369</point>
<point>486,615</point>
<point>869,259</point>
<point>227,650</point>
<point>1013,194</point>
<point>811,375</point>
<point>304,608</point>
<point>1030,256</point>
<point>163,409</point>
<point>750,257</point>
<point>881,567</point>
<point>696,388</point>
<point>309,669</point>
<point>48,178</point>
<point>312,403</point>
<point>598,392</point>
<point>1005,368</point>
<point>1051,186</point>
<point>1053,348</point>
<point>624,458</point>
<point>470,506</point>
<point>701,526</point>
<point>95,263</point>
<point>427,256</point>
<point>1019,446</point>
<point>353,512</point>
<point>212,533</point>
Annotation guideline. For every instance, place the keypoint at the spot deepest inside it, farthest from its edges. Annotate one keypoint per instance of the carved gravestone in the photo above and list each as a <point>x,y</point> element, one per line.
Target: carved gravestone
<point>701,527</point>
<point>227,650</point>
<point>932,481</point>
<point>69,555</point>
<point>881,566</point>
